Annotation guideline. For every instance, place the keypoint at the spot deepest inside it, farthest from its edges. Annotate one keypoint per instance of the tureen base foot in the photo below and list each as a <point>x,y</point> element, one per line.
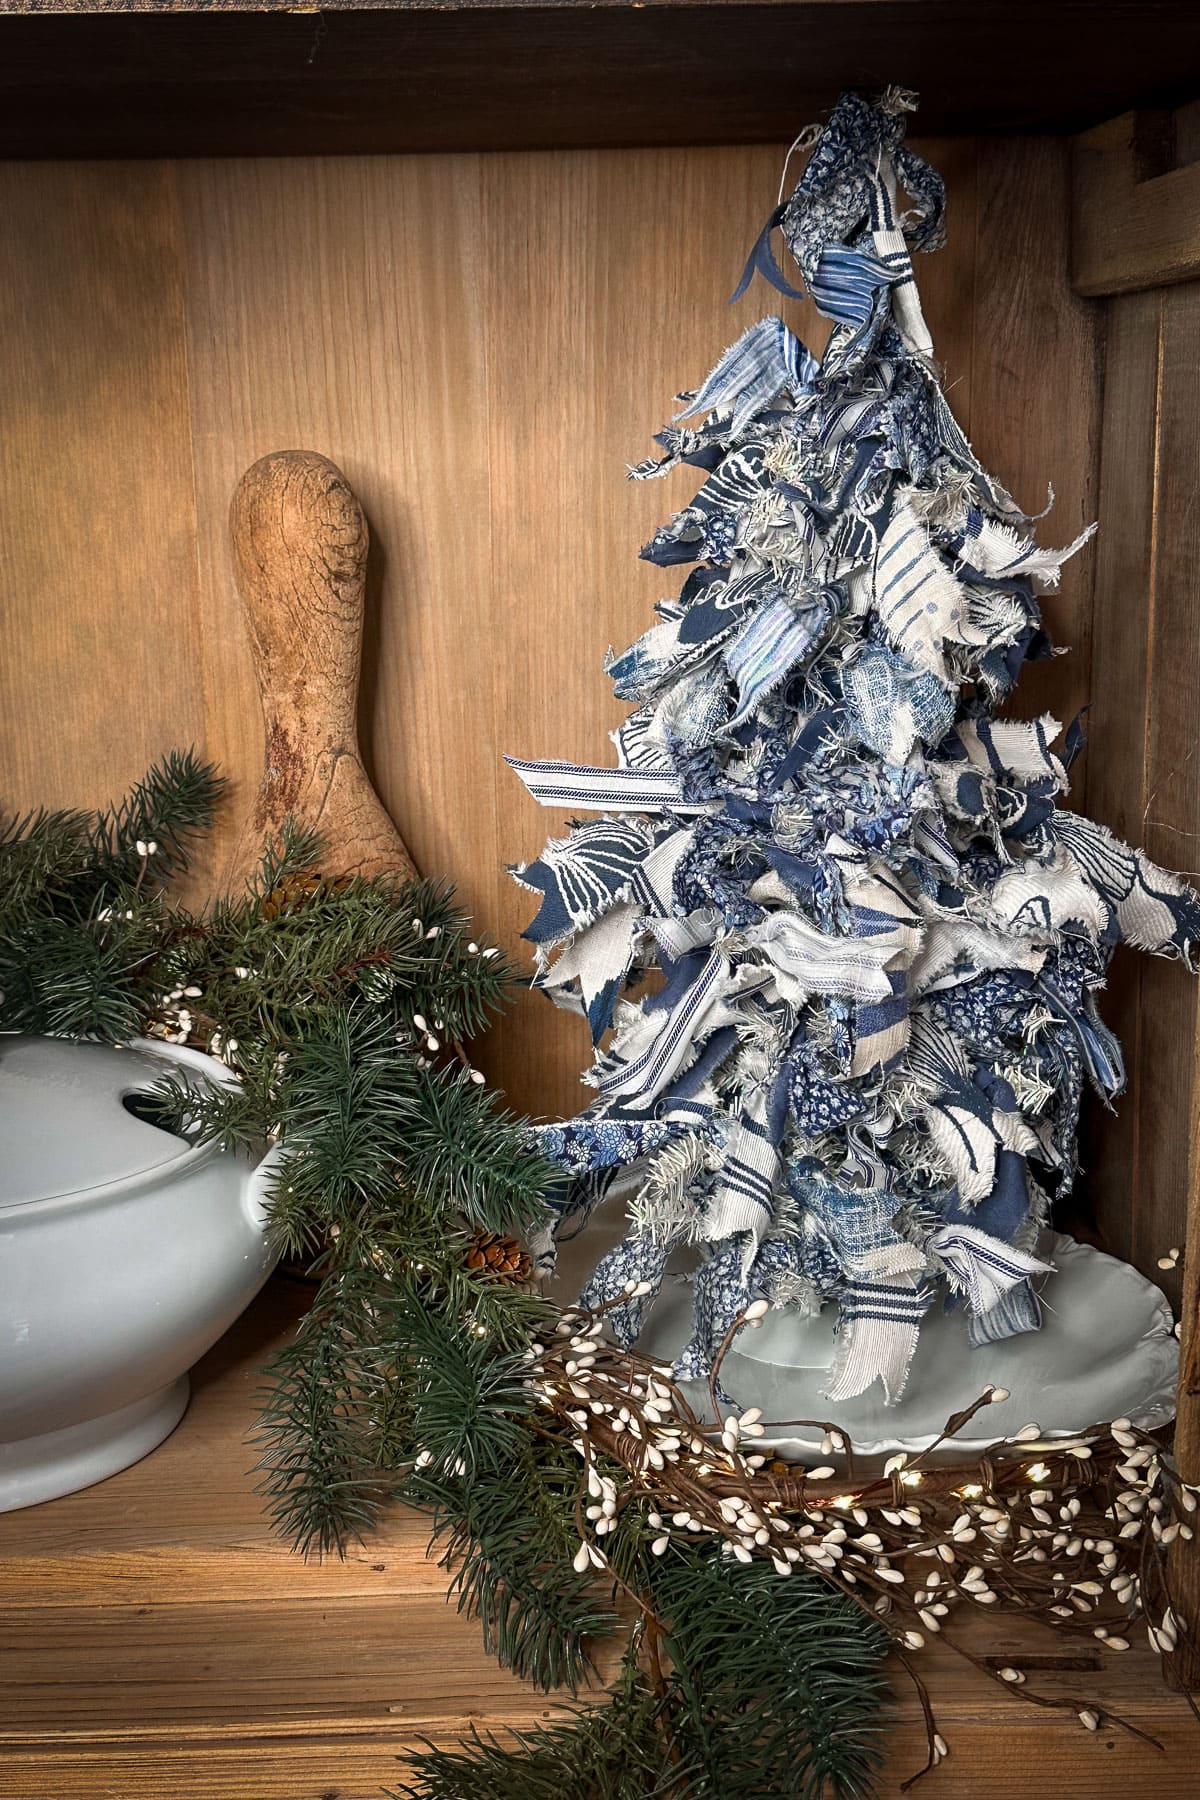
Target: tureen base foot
<point>34,1469</point>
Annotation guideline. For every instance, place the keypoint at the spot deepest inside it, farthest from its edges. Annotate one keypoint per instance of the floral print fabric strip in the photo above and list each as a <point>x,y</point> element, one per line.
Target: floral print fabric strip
<point>882,937</point>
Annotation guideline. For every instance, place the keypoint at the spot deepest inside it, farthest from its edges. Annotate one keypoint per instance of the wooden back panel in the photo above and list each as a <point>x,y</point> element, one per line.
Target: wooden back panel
<point>482,344</point>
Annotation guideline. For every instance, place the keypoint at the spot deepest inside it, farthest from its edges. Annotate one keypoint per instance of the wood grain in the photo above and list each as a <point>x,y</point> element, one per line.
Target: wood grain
<point>335,303</point>
<point>627,312</point>
<point>1136,219</point>
<point>1116,1152</point>
<point>1171,833</point>
<point>432,75</point>
<point>1037,393</point>
<point>1169,1201</point>
<point>99,668</point>
<point>482,345</point>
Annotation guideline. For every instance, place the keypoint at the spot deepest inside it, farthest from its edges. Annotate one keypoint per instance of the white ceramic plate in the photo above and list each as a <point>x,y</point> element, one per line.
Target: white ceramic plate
<point>1106,1349</point>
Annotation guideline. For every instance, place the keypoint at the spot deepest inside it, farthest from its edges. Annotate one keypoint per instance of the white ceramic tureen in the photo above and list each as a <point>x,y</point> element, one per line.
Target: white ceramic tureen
<point>125,1252</point>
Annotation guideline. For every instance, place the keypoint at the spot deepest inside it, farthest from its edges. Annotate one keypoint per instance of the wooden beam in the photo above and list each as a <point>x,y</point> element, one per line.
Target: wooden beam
<point>1135,206</point>
<point>119,79</point>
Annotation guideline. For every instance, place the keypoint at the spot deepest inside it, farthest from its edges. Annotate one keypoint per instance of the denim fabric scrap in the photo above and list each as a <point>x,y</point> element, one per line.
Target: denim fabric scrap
<point>767,360</point>
<point>581,876</point>
<point>890,705</point>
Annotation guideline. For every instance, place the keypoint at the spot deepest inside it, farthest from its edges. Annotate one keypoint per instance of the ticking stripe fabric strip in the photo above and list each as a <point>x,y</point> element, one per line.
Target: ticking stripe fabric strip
<point>618,790</point>
<point>877,1334</point>
<point>645,1077</point>
<point>986,1267</point>
<point>743,1200</point>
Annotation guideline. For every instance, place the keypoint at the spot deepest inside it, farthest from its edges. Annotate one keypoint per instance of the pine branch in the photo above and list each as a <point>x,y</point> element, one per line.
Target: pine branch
<point>470,1156</point>
<point>611,1752</point>
<point>82,922</point>
<point>41,855</point>
<point>510,1548</point>
<point>775,1685</point>
<point>773,1692</point>
<point>323,1478</point>
<point>470,1400</point>
<point>171,806</point>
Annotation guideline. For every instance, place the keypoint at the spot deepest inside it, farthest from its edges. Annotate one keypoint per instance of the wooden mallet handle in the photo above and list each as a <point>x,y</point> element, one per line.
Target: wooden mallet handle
<point>300,556</point>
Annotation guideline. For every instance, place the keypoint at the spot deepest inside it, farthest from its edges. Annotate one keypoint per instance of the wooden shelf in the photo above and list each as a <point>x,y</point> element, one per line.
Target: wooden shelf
<point>131,78</point>
<point>157,1643</point>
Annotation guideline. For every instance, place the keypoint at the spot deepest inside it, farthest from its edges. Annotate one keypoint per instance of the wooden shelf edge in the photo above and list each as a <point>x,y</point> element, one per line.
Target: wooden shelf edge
<point>507,74</point>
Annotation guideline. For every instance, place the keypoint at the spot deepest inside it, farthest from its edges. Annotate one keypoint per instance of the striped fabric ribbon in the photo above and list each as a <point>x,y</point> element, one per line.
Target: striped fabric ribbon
<point>769,647</point>
<point>845,283</point>
<point>807,961</point>
<point>619,790</point>
<point>675,937</point>
<point>646,1076</point>
<point>918,600</point>
<point>877,1334</point>
<point>892,251</point>
<point>743,1200</point>
<point>652,881</point>
<point>765,360</point>
<point>886,921</point>
<point>986,1267</point>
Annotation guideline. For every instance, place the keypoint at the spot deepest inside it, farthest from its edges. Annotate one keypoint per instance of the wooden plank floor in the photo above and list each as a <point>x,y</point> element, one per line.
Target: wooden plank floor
<point>156,1641</point>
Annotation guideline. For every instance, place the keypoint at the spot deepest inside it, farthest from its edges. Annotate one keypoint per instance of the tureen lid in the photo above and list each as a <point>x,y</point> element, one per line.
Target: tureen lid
<point>64,1127</point>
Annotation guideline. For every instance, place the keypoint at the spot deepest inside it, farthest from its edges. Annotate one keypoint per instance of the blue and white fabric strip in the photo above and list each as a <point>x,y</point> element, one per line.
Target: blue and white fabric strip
<point>891,247</point>
<point>919,602</point>
<point>637,747</point>
<point>859,1223</point>
<point>1154,910</point>
<point>769,647</point>
<point>675,937</point>
<point>580,877</point>
<point>652,882</point>
<point>877,1334</point>
<point>986,1268</point>
<point>765,360</point>
<point>618,790</point>
<point>743,1200</point>
<point>646,1076</point>
<point>1018,1310</point>
<point>598,959</point>
<point>845,283</point>
<point>806,961</point>
<point>583,1145</point>
<point>881,1028</point>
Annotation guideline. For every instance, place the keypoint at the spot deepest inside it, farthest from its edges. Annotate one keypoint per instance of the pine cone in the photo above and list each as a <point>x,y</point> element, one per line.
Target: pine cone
<point>298,889</point>
<point>504,1257</point>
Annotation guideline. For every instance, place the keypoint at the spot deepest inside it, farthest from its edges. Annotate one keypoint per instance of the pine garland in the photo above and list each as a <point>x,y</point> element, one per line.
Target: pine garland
<point>766,1690</point>
<point>336,1003</point>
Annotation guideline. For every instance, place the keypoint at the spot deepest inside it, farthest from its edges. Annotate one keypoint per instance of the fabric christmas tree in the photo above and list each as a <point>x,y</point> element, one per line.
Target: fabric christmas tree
<point>881,934</point>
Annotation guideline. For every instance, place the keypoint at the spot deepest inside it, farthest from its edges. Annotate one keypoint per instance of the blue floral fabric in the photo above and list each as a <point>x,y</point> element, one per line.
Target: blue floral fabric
<point>883,934</point>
